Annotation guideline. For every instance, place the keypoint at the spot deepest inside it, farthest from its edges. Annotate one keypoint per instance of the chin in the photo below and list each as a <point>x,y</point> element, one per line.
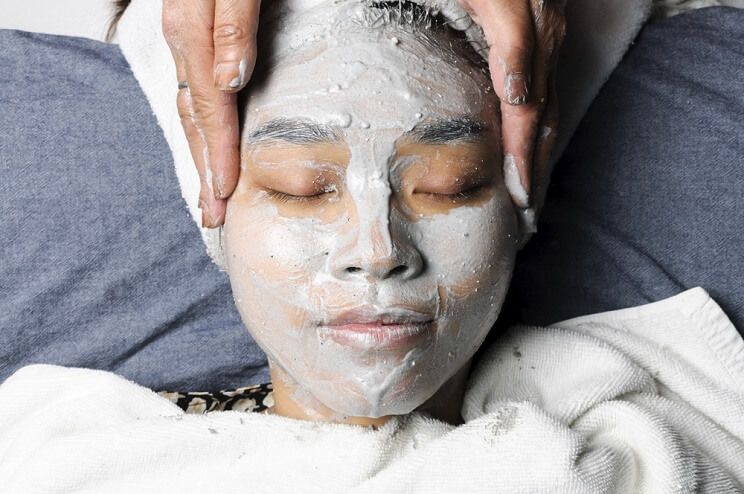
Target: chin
<point>385,389</point>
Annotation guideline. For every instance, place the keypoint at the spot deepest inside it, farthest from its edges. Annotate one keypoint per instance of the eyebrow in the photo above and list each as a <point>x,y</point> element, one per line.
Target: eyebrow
<point>304,132</point>
<point>293,131</point>
<point>443,131</point>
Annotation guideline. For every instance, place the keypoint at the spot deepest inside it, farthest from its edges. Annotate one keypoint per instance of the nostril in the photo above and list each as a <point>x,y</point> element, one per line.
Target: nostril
<point>379,271</point>
<point>398,270</point>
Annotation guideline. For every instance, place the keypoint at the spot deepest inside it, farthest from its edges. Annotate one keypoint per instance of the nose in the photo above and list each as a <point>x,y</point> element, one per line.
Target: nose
<point>382,268</point>
<point>399,259</point>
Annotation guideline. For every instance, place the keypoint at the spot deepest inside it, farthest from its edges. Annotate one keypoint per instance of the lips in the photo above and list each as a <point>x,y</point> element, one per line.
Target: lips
<point>367,328</point>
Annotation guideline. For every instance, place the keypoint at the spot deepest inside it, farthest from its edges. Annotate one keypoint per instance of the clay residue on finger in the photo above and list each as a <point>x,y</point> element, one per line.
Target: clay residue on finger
<point>514,182</point>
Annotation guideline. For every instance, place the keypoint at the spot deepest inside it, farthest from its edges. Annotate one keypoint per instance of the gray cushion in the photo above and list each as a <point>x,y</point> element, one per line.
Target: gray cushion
<point>648,199</point>
<point>100,264</point>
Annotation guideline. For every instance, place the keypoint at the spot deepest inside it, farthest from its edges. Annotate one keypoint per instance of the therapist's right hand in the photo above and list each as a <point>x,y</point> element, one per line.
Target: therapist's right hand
<point>213,43</point>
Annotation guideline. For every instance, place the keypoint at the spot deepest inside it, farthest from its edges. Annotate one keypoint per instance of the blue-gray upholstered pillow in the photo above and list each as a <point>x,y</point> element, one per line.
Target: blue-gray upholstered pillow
<point>100,263</point>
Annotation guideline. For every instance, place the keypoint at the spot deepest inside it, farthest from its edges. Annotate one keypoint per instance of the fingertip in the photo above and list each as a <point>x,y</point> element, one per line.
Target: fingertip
<point>225,167</point>
<point>234,38</point>
<point>218,213</point>
<point>224,183</point>
<point>515,184</point>
<point>231,77</point>
<point>213,214</point>
<point>222,187</point>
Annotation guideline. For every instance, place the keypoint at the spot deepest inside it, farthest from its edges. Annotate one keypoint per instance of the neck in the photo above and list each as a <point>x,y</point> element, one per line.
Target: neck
<point>291,400</point>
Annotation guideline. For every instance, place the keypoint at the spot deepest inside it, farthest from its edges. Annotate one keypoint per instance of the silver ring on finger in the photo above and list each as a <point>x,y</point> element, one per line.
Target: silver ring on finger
<point>183,85</point>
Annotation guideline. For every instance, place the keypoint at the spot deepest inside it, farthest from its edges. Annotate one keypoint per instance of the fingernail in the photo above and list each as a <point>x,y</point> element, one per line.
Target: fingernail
<point>514,183</point>
<point>229,75</point>
<point>218,187</point>
<point>207,220</point>
<point>516,88</point>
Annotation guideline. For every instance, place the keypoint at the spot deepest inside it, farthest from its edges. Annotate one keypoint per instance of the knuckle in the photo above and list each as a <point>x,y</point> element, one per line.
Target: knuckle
<point>192,135</point>
<point>526,115</point>
<point>204,110</point>
<point>230,33</point>
<point>184,108</point>
<point>189,129</point>
<point>171,23</point>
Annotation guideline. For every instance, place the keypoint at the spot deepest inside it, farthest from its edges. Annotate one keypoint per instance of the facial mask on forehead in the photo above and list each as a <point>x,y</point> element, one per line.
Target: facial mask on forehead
<point>366,304</point>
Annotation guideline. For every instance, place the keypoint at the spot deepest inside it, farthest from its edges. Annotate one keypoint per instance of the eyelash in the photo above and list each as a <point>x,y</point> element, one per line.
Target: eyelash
<point>464,194</point>
<point>286,198</point>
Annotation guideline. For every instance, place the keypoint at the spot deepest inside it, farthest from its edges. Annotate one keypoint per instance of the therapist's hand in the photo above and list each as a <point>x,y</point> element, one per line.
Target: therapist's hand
<point>213,43</point>
<point>524,37</point>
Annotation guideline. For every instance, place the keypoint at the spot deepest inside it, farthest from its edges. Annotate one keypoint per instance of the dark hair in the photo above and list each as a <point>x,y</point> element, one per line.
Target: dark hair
<point>119,7</point>
<point>403,11</point>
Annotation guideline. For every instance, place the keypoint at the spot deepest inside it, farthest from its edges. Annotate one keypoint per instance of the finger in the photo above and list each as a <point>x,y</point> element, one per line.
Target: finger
<point>235,28</point>
<point>212,209</point>
<point>550,29</point>
<point>546,137</point>
<point>507,26</point>
<point>519,127</point>
<point>180,23</point>
<point>520,123</point>
<point>197,144</point>
<point>215,112</point>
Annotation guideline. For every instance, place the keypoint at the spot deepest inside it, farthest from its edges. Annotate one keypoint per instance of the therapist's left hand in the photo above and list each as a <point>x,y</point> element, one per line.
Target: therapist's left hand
<point>524,38</point>
<point>213,43</point>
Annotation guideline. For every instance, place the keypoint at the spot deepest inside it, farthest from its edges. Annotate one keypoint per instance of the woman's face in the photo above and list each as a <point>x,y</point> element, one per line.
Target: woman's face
<point>370,240</point>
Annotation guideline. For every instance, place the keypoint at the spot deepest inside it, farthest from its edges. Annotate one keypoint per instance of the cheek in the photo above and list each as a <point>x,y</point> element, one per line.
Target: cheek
<point>271,261</point>
<point>258,245</point>
<point>471,249</point>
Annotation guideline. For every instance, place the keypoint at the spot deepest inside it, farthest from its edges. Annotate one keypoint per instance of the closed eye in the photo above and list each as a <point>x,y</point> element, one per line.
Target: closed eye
<point>284,198</point>
<point>454,196</point>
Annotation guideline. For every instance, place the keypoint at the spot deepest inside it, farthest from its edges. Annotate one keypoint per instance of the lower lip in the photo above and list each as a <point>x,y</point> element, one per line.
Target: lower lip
<point>377,336</point>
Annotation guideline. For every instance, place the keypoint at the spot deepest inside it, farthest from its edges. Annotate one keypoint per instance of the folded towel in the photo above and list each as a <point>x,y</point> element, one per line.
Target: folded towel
<point>643,400</point>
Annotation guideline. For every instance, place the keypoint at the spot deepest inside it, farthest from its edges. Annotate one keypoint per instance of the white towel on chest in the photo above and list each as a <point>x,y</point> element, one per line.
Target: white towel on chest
<point>644,400</point>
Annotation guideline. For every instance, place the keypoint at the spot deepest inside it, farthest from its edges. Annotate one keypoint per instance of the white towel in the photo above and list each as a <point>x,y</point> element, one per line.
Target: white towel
<point>599,33</point>
<point>643,400</point>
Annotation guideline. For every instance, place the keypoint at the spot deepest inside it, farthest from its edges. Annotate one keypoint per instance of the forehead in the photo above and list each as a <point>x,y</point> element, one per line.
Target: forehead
<point>375,78</point>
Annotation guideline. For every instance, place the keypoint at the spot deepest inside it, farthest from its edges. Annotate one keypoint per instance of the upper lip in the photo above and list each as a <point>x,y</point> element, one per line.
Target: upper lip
<point>373,315</point>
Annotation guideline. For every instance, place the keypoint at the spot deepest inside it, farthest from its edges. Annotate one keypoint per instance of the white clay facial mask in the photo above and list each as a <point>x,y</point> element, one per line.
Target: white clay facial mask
<point>371,239</point>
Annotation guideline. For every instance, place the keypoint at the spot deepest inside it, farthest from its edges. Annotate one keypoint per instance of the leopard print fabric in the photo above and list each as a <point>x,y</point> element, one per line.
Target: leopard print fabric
<point>257,398</point>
